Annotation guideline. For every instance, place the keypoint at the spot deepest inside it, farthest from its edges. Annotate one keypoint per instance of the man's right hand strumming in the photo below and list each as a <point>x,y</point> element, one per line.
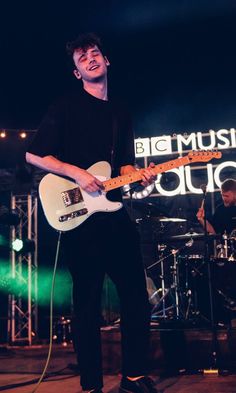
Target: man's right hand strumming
<point>87,181</point>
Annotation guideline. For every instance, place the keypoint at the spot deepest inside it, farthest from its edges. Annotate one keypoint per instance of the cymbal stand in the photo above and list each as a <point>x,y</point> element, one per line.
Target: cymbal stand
<point>212,319</point>
<point>164,290</point>
<point>225,238</point>
<point>176,283</point>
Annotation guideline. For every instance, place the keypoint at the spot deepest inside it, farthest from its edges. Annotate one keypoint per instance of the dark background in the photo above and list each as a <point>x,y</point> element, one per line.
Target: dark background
<point>173,61</point>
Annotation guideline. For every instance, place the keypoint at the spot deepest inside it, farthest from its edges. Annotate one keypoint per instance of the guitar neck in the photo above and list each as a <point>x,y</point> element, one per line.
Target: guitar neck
<point>132,177</point>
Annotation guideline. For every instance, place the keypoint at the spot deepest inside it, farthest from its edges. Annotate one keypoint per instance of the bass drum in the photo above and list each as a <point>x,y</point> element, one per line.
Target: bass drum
<point>153,292</point>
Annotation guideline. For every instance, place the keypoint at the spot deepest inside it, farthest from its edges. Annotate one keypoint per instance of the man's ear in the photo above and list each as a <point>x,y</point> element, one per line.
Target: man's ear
<point>106,61</point>
<point>77,74</point>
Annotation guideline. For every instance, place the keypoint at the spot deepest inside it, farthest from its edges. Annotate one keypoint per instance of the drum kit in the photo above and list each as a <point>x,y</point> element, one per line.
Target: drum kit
<point>178,280</point>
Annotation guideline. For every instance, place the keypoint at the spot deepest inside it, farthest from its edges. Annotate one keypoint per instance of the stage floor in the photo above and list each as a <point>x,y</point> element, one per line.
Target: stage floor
<point>21,367</point>
<point>69,383</point>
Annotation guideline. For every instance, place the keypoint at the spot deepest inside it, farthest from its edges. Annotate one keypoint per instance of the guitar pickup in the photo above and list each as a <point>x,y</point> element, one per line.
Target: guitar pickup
<point>71,197</point>
<point>70,216</point>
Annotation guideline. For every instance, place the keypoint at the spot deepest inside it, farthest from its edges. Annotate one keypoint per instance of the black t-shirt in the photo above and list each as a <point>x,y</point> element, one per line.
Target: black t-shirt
<point>81,129</point>
<point>224,219</point>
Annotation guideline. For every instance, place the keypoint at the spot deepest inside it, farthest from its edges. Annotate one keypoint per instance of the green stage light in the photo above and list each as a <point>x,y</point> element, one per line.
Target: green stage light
<point>18,284</point>
<point>62,290</point>
<point>3,241</point>
<point>5,275</point>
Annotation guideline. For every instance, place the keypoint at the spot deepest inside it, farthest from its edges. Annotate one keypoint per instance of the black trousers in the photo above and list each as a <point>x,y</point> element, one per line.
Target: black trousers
<point>108,243</point>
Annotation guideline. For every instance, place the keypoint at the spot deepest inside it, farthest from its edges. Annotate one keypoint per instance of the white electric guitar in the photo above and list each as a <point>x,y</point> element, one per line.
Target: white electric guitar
<point>66,205</point>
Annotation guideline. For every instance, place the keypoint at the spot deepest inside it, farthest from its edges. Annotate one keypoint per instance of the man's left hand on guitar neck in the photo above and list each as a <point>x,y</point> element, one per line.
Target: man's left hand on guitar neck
<point>148,174</point>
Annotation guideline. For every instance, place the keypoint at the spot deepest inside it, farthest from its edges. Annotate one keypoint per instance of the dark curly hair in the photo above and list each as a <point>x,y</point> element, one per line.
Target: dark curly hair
<point>83,41</point>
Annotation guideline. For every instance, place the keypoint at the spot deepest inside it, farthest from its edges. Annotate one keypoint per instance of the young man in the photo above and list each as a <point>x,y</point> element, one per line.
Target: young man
<point>79,130</point>
<point>224,218</point>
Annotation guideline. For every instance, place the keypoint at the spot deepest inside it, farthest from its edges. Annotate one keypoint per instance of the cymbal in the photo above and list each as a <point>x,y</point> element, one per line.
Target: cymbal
<point>153,212</point>
<point>150,219</point>
<point>195,235</point>
<point>172,219</point>
<point>162,218</point>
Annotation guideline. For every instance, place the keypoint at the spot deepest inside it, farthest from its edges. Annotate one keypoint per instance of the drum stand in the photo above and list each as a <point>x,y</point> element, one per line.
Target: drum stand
<point>192,312</point>
<point>176,283</point>
<point>174,287</point>
<point>165,291</point>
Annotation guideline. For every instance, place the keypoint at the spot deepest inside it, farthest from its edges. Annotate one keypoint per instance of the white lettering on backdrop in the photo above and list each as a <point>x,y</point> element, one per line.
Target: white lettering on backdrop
<point>181,144</point>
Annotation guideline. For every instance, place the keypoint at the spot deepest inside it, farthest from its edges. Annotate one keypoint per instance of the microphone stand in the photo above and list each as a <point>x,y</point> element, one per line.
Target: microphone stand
<point>213,368</point>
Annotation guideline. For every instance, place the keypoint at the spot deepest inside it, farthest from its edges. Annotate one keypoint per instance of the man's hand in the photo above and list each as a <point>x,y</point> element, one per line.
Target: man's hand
<point>87,181</point>
<point>148,175</point>
<point>201,214</point>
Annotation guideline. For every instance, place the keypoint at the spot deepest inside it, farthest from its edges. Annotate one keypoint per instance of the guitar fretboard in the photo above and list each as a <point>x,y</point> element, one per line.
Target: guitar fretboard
<point>132,177</point>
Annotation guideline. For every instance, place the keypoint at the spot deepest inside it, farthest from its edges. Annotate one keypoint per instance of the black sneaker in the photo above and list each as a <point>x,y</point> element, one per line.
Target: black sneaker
<point>141,385</point>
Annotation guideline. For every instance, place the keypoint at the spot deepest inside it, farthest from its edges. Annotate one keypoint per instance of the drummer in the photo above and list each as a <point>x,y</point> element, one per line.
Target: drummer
<point>224,218</point>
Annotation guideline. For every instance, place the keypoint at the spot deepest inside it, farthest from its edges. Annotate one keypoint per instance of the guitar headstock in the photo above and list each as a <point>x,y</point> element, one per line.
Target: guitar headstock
<point>204,155</point>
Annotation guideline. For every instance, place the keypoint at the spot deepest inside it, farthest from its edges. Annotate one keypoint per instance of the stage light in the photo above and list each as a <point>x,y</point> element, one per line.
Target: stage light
<point>20,246</point>
<point>23,246</point>
<point>17,245</point>
<point>3,134</point>
<point>23,135</point>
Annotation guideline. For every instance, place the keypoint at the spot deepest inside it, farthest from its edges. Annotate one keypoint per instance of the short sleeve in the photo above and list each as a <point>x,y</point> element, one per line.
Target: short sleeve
<point>49,136</point>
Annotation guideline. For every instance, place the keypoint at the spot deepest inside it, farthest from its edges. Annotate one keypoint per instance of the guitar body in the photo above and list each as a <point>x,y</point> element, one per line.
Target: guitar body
<point>66,205</point>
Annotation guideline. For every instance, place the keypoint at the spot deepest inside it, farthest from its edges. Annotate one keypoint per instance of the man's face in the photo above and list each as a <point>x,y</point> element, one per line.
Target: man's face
<point>229,198</point>
<point>90,63</point>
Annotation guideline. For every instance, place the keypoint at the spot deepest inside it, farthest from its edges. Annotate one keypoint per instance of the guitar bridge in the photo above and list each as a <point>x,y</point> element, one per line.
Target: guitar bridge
<point>70,216</point>
<point>71,197</point>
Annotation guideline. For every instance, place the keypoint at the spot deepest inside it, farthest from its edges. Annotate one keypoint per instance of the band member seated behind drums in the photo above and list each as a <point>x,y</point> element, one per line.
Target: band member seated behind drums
<point>224,218</point>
